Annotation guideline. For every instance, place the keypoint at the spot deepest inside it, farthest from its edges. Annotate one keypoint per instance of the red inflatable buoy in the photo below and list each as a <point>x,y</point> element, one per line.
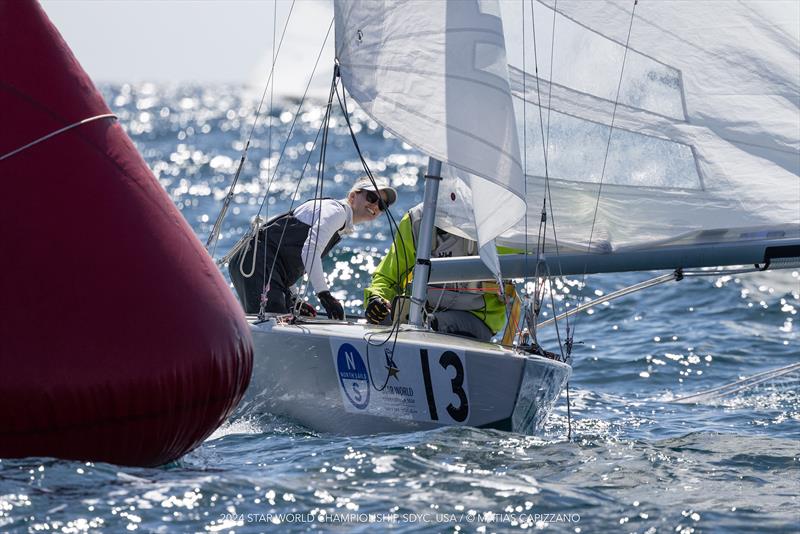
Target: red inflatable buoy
<point>119,339</point>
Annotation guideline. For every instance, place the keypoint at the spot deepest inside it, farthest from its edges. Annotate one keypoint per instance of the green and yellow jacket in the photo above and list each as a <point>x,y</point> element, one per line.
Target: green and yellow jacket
<point>395,272</point>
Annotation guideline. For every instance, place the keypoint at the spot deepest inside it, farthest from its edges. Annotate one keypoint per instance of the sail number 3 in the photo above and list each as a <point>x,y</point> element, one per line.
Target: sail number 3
<point>448,359</point>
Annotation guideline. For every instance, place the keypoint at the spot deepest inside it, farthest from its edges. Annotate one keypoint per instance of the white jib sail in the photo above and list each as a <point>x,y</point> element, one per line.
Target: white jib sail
<point>435,75</point>
<point>706,139</point>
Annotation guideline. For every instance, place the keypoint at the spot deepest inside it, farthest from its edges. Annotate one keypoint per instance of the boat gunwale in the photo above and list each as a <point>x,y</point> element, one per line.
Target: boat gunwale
<point>464,343</point>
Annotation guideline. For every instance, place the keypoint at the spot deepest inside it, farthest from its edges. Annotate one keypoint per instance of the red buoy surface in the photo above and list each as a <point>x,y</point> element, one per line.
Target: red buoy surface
<point>119,339</point>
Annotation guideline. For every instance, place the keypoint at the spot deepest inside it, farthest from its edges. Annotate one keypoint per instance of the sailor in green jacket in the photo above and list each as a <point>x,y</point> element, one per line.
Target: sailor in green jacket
<point>469,309</point>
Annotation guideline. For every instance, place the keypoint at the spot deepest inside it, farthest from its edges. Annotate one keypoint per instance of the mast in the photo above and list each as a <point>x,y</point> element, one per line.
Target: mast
<point>419,286</point>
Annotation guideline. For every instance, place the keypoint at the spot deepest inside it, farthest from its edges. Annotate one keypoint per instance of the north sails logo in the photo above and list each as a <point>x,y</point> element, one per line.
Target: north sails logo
<point>353,375</point>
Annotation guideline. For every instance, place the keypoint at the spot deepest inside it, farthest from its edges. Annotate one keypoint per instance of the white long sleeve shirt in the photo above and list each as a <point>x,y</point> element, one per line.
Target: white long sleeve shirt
<point>326,217</point>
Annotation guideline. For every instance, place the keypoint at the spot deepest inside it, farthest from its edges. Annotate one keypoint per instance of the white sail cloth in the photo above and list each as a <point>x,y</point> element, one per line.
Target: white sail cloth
<point>706,127</point>
<point>435,75</point>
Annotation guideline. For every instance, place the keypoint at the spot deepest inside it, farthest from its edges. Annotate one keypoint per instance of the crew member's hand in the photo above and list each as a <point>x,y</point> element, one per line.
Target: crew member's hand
<point>304,309</point>
<point>331,305</point>
<point>300,307</point>
<point>377,309</point>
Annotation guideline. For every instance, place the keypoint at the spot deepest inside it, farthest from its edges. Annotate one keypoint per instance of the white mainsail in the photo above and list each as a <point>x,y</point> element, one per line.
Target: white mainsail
<point>703,164</point>
<point>706,128</point>
<point>435,75</point>
<point>704,99</point>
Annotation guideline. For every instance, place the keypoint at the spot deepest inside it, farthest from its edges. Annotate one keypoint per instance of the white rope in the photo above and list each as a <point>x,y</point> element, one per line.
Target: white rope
<point>53,134</point>
<point>255,229</point>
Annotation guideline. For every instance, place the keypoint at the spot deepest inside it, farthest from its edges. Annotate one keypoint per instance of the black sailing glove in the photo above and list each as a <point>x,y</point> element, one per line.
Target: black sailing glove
<point>331,305</point>
<point>303,308</point>
<point>377,309</point>
<point>306,310</point>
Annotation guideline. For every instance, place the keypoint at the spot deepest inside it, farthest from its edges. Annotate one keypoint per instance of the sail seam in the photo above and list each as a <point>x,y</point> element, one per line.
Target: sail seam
<point>634,50</point>
<point>57,132</point>
<point>506,89</point>
<point>465,133</point>
<point>569,94</point>
<point>641,124</point>
<point>413,36</point>
<point>622,187</point>
<point>614,40</point>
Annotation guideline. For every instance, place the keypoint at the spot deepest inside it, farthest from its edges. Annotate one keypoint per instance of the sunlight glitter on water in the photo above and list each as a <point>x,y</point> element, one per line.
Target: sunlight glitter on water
<point>637,461</point>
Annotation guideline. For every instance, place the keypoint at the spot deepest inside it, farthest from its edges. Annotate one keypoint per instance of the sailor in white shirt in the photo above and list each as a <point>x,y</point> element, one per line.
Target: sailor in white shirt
<point>296,242</point>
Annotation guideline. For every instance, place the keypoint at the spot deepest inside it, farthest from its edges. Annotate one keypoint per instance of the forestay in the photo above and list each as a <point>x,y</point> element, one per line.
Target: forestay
<point>435,75</point>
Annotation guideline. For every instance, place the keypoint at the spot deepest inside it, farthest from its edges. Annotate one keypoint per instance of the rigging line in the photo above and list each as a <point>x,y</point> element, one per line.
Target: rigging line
<point>739,385</point>
<point>323,129</point>
<point>524,128</point>
<point>524,135</point>
<point>558,330</point>
<point>294,120</point>
<point>569,416</point>
<point>57,132</point>
<point>316,213</point>
<point>393,225</point>
<point>547,178</point>
<point>283,151</point>
<point>395,330</point>
<point>211,244</point>
<point>343,106</point>
<point>532,328</point>
<point>542,237</point>
<point>297,188</point>
<point>608,147</point>
<point>342,98</point>
<point>722,272</point>
<point>243,241</point>
<point>614,295</point>
<point>676,275</point>
<point>369,371</point>
<point>539,287</point>
<point>550,88</point>
<point>269,141</point>
<point>256,227</point>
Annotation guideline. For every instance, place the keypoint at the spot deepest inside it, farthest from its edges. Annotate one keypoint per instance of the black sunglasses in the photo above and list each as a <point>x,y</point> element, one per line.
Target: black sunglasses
<point>374,198</point>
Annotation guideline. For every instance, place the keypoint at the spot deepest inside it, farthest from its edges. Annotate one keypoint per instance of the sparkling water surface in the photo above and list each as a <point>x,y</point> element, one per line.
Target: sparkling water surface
<point>636,461</point>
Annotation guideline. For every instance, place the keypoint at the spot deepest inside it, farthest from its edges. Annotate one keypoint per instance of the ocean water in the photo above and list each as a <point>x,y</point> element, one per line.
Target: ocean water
<point>636,462</point>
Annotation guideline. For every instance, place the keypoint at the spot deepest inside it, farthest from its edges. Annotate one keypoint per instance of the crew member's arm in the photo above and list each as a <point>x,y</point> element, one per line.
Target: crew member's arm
<point>392,273</point>
<point>330,218</point>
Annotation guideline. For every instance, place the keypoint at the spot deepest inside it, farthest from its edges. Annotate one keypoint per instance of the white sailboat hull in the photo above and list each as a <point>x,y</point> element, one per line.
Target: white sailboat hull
<point>336,377</point>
